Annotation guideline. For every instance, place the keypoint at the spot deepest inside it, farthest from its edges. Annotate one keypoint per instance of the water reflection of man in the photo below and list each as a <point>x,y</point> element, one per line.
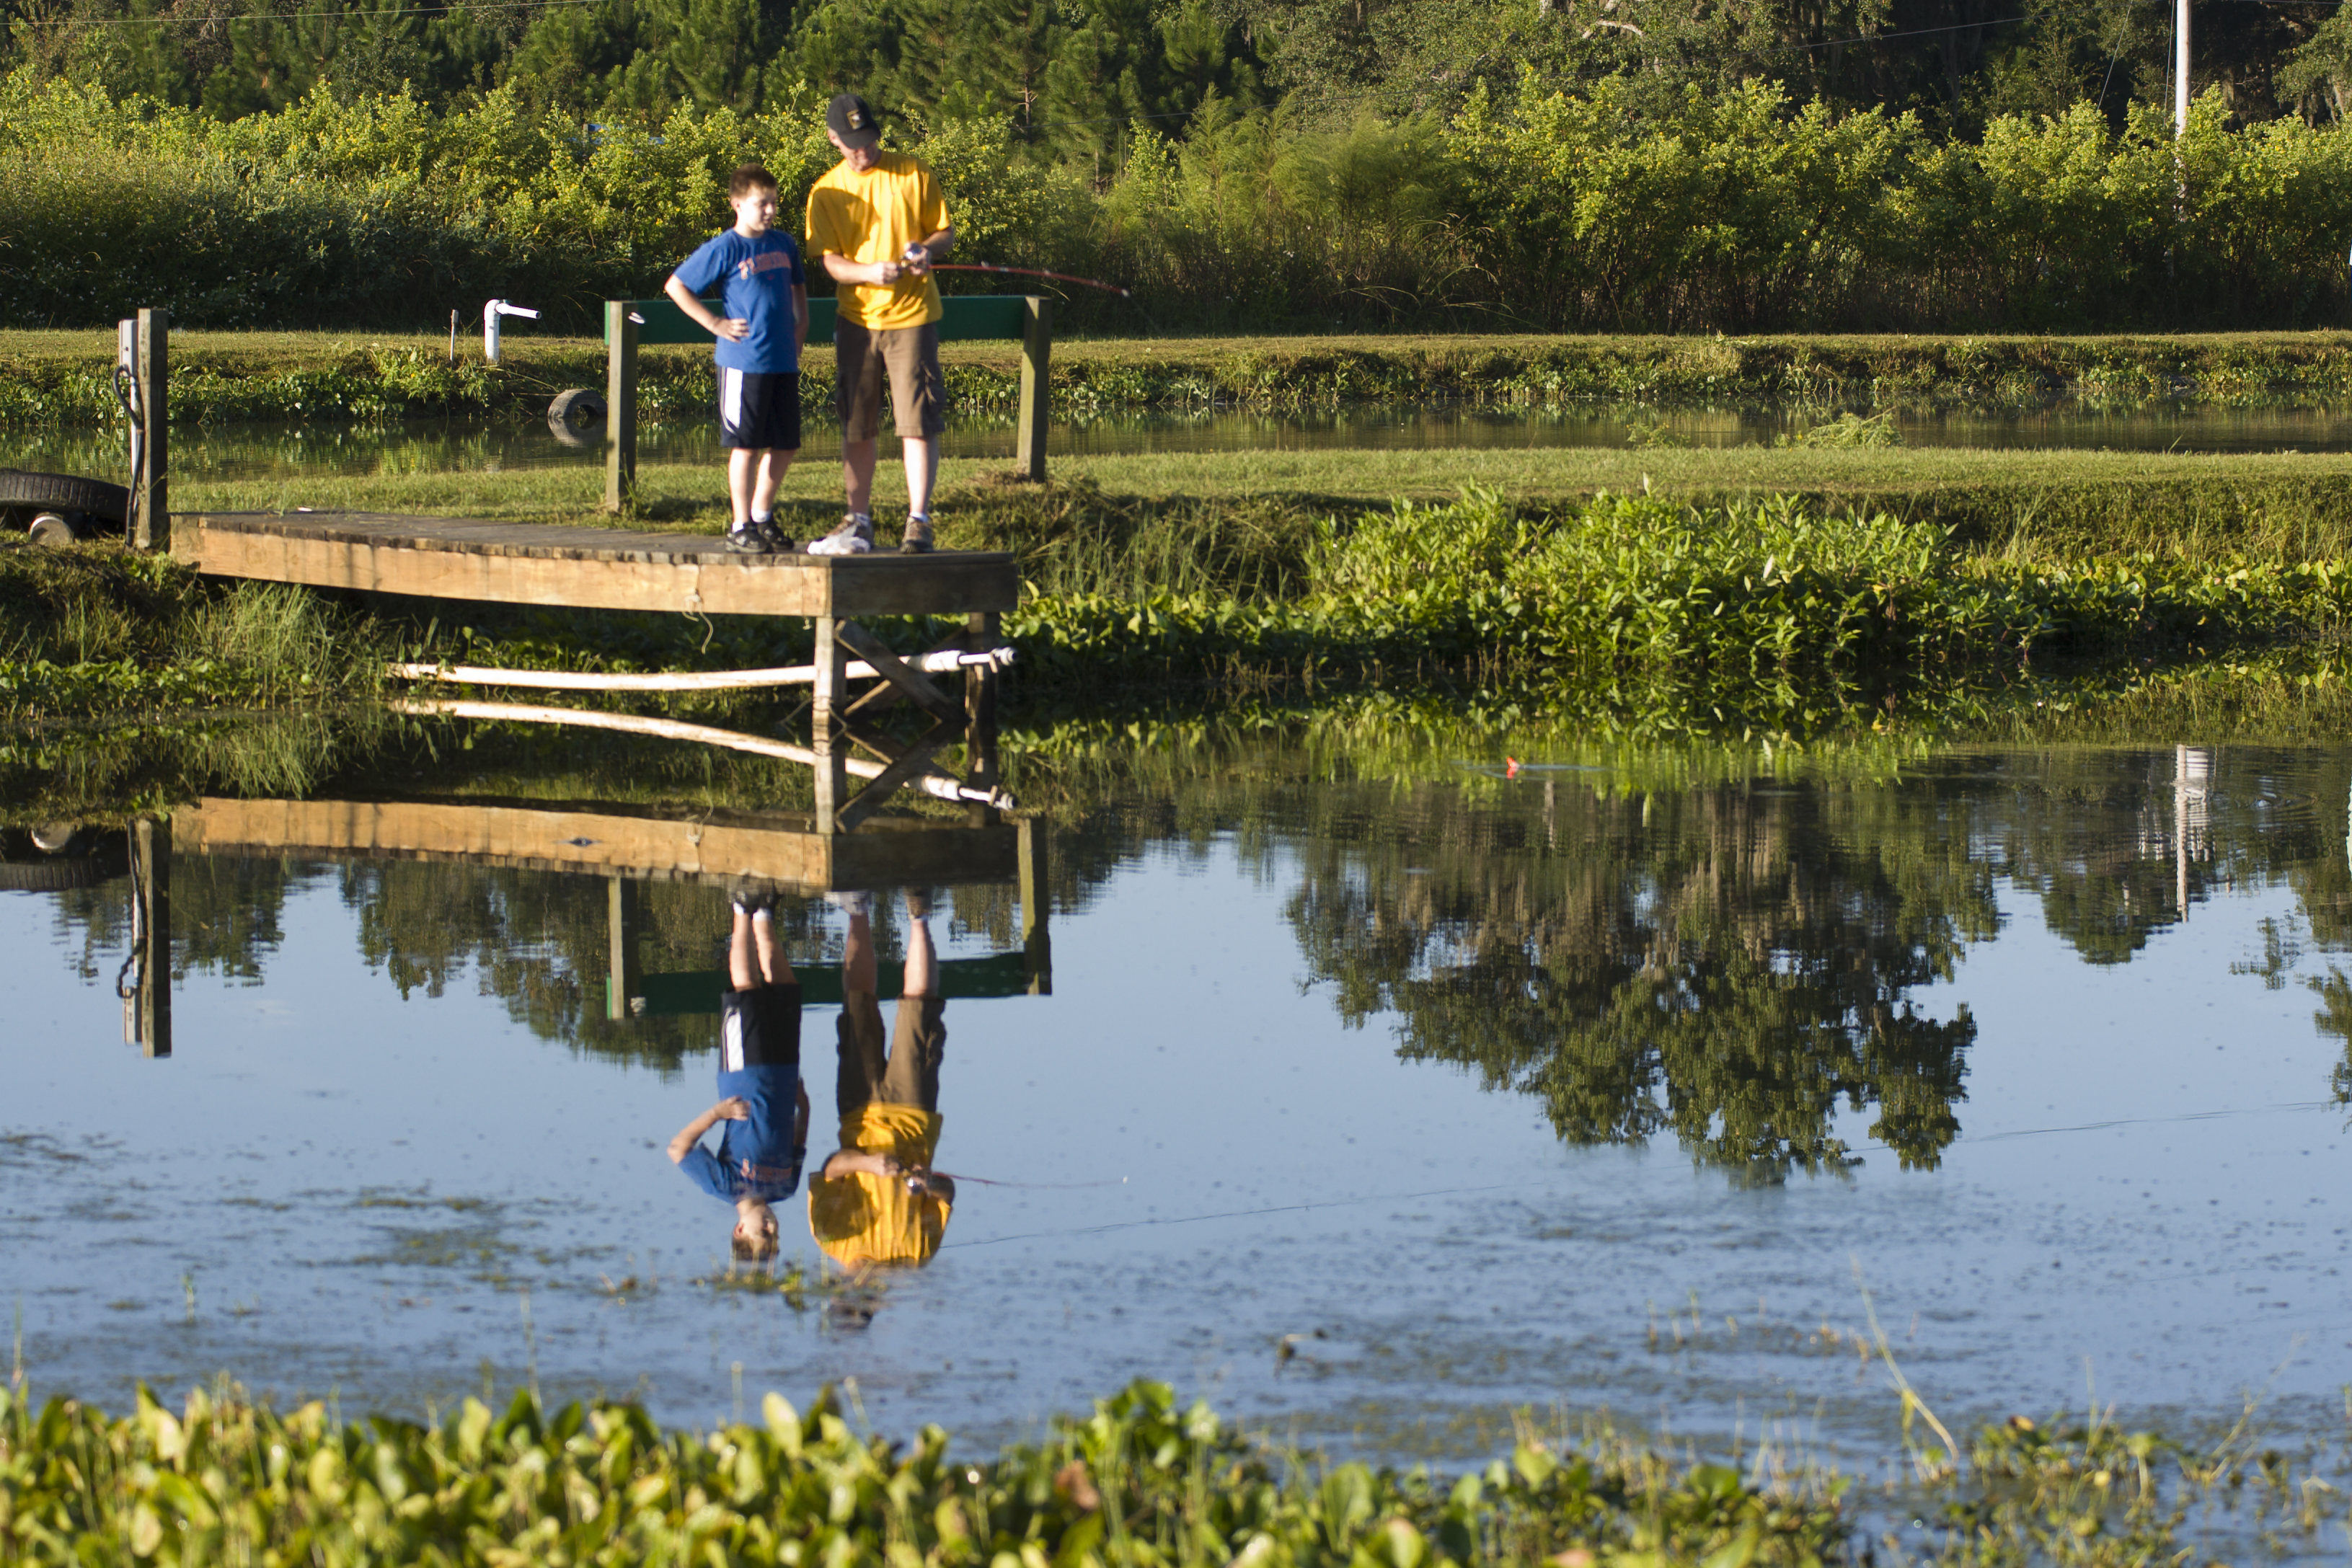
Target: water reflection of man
<point>877,1199</point>
<point>762,1102</point>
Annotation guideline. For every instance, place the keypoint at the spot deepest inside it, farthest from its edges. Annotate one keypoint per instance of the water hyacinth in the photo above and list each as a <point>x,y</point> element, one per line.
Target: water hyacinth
<point>1140,1481</point>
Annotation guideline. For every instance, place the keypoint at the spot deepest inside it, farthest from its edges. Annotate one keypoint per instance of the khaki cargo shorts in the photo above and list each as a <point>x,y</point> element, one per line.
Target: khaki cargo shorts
<point>918,393</point>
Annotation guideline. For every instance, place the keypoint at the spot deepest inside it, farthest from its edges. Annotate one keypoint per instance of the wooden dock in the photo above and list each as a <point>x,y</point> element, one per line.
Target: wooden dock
<point>586,568</point>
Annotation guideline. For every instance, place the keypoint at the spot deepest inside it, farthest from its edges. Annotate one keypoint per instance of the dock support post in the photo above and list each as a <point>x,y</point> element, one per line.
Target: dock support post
<point>829,704</point>
<point>1036,358</point>
<point>1036,898</point>
<point>150,503</point>
<point>626,983</point>
<point>147,1006</point>
<point>620,406</point>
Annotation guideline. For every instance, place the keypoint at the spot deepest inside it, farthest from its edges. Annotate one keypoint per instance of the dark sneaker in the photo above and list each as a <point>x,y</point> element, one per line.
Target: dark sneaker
<point>749,540</point>
<point>917,539</point>
<point>854,537</point>
<point>751,898</point>
<point>919,903</point>
<point>778,541</point>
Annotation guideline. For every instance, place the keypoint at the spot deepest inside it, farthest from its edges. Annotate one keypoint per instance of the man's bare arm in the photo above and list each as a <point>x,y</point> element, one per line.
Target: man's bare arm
<point>856,1162</point>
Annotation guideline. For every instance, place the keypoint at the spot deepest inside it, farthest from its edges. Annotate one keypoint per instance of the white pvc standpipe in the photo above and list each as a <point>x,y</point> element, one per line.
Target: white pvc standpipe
<point>694,681</point>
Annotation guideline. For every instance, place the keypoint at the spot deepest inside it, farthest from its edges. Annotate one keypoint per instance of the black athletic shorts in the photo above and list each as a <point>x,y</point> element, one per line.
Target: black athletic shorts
<point>759,1028</point>
<point>759,409</point>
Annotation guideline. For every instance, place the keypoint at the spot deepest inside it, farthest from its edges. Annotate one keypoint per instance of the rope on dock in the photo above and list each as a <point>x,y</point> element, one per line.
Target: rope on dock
<point>933,784</point>
<point>680,681</point>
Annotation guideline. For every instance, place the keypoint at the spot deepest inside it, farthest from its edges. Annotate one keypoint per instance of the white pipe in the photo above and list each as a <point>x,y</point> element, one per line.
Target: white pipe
<point>691,681</point>
<point>490,314</point>
<point>932,784</point>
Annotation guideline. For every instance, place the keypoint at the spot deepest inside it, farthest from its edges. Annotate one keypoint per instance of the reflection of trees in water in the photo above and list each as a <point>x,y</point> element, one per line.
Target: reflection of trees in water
<point>539,941</point>
<point>1721,964</point>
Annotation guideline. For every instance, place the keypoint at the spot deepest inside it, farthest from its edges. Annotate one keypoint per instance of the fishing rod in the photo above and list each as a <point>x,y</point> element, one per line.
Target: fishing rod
<point>1029,272</point>
<point>1032,1186</point>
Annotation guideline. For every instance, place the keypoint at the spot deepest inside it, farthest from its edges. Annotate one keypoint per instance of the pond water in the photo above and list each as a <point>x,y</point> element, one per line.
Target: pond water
<point>1371,1094</point>
<point>238,451</point>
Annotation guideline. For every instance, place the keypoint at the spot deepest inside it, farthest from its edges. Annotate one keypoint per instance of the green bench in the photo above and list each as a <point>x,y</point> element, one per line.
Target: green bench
<point>697,991</point>
<point>628,323</point>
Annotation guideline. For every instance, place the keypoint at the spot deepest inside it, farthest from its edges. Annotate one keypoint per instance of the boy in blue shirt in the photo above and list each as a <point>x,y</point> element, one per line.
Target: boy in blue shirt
<point>764,299</point>
<point>762,1100</point>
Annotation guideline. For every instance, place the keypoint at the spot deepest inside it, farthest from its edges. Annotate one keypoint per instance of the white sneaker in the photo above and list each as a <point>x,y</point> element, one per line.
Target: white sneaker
<point>851,903</point>
<point>854,537</point>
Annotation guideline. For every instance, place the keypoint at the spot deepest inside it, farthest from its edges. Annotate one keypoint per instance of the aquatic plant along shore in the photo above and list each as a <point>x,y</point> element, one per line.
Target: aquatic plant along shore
<point>63,377</point>
<point>1770,614</point>
<point>1143,1482</point>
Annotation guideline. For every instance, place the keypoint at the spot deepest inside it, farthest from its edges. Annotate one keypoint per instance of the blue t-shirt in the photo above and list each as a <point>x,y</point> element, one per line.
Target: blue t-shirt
<point>759,1157</point>
<point>759,275</point>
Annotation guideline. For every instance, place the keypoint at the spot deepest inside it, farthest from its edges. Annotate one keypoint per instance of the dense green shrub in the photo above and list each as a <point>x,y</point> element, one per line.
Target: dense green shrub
<point>1542,209</point>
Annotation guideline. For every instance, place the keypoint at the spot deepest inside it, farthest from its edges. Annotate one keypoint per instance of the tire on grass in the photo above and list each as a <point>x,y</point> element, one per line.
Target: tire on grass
<point>96,500</point>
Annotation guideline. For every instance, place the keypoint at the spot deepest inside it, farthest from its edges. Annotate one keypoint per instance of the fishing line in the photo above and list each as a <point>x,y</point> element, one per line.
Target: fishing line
<point>1032,1186</point>
<point>1234,1214</point>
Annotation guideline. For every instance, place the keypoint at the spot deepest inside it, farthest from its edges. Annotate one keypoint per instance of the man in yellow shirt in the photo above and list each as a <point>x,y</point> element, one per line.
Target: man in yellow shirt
<point>877,222</point>
<point>877,1199</point>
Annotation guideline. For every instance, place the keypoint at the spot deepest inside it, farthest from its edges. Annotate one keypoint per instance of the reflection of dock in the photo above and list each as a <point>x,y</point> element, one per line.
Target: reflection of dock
<point>781,848</point>
<point>624,844</point>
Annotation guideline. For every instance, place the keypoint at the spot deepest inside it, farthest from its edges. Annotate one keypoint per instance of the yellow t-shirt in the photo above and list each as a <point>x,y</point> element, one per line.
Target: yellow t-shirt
<point>863,1219</point>
<point>874,216</point>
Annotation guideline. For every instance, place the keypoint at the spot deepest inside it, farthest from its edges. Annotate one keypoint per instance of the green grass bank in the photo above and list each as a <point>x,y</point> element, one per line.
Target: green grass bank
<point>63,376</point>
<point>1140,1483</point>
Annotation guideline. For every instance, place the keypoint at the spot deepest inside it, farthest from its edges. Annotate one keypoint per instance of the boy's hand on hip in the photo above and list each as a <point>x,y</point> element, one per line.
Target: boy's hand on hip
<point>733,330</point>
<point>734,1109</point>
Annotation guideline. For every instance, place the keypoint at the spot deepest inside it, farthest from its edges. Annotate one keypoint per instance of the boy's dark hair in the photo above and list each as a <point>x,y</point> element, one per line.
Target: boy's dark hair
<point>748,177</point>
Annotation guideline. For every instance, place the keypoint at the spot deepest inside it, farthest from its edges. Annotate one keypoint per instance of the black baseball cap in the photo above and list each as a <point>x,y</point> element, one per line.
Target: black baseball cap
<point>853,120</point>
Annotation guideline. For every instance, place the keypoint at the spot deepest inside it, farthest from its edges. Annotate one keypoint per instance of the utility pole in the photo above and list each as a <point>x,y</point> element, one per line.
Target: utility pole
<point>2179,68</point>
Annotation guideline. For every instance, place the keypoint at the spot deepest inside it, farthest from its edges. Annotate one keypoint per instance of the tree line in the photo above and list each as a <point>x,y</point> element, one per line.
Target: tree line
<point>1528,208</point>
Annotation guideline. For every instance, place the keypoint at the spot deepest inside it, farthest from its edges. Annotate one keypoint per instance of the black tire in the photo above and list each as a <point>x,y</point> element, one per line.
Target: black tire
<point>53,875</point>
<point>94,498</point>
<point>576,407</point>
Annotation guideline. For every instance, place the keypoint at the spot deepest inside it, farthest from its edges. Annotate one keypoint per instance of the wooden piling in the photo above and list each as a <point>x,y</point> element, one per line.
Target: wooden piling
<point>150,503</point>
<point>1036,363</point>
<point>1036,902</point>
<point>620,406</point>
<point>148,1009</point>
<point>626,980</point>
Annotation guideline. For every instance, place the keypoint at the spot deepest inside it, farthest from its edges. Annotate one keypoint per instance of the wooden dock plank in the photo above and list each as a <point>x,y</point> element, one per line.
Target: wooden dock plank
<point>604,840</point>
<point>588,568</point>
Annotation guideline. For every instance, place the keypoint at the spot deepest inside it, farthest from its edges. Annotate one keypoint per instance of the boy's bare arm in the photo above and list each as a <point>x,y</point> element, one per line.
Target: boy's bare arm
<point>696,311</point>
<point>731,1109</point>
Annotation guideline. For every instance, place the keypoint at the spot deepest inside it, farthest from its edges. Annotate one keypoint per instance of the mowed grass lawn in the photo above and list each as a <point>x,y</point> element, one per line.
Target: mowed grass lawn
<point>2298,504</point>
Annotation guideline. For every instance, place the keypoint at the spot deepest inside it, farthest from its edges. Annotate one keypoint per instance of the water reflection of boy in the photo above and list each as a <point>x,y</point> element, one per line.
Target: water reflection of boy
<point>762,1102</point>
<point>877,1199</point>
